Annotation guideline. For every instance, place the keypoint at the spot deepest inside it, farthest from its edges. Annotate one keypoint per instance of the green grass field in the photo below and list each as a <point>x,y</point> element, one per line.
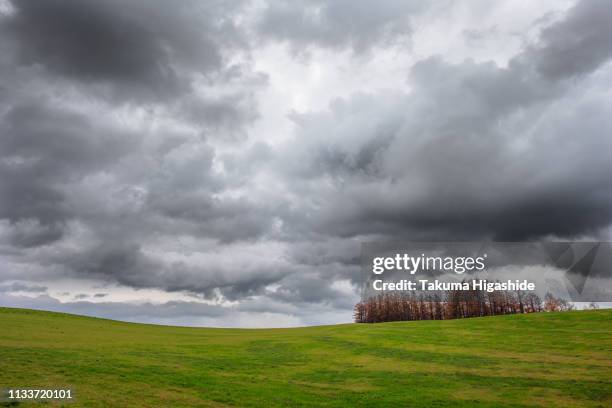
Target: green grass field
<point>546,359</point>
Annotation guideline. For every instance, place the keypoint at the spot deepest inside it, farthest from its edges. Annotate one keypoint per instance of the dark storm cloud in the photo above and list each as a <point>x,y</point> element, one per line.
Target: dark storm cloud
<point>59,127</point>
<point>474,151</point>
<point>227,220</point>
<point>358,25</point>
<point>43,148</point>
<point>61,143</point>
<point>128,264</point>
<point>326,251</point>
<point>138,48</point>
<point>309,288</point>
<point>229,112</point>
<point>578,44</point>
<point>33,233</point>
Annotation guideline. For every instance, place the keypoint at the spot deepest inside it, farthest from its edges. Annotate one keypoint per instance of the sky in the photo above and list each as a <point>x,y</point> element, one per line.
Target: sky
<point>214,163</point>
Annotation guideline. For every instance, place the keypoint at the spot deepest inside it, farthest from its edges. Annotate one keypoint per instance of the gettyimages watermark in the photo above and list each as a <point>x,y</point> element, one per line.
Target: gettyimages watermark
<point>577,271</point>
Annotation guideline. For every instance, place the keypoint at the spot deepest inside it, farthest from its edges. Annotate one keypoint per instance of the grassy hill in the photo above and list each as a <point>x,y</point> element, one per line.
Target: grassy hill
<point>546,359</point>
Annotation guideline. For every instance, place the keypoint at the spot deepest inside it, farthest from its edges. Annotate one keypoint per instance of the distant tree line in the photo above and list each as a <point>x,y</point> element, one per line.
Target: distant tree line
<point>455,304</point>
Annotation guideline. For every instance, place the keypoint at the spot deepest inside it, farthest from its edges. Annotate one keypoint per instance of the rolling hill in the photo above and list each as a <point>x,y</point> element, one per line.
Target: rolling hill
<point>544,359</point>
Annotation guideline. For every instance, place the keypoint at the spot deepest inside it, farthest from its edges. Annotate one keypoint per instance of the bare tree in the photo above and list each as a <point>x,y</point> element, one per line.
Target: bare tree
<point>454,304</point>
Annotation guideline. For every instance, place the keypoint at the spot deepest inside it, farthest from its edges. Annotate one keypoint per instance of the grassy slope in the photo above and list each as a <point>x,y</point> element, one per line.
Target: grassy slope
<point>560,359</point>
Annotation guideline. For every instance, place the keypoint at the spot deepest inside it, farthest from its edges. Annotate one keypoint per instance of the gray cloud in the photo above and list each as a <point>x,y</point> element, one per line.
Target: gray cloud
<point>138,48</point>
<point>578,44</point>
<point>474,150</point>
<point>359,25</point>
<point>22,287</point>
<point>222,276</point>
<point>43,148</point>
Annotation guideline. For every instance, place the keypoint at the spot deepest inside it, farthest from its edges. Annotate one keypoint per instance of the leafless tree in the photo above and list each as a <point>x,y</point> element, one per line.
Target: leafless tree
<point>453,304</point>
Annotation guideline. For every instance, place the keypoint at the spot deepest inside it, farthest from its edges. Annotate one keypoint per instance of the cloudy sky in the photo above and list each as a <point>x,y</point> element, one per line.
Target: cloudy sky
<point>219,162</point>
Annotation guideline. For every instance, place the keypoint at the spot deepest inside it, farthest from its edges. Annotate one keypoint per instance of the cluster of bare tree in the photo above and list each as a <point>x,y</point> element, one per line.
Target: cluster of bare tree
<point>457,304</point>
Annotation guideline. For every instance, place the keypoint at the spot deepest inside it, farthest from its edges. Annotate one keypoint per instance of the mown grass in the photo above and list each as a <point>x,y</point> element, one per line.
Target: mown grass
<point>546,359</point>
